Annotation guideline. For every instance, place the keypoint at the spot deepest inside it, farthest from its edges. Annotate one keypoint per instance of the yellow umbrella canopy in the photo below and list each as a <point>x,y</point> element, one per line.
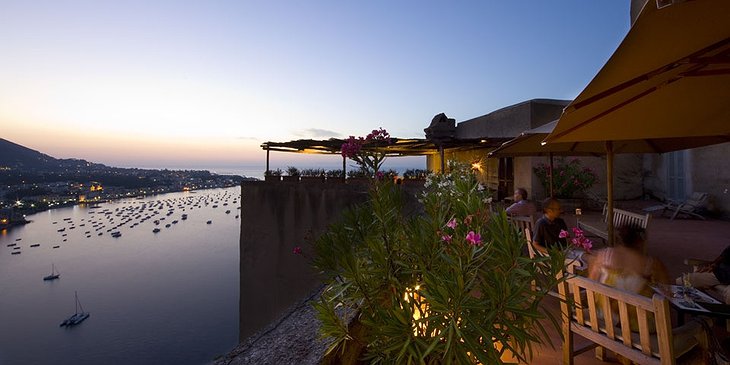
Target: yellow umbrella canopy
<point>670,77</point>
<point>530,143</point>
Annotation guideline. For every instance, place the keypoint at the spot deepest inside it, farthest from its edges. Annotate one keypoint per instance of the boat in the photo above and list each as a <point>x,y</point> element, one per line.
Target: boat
<point>228,212</point>
<point>208,222</point>
<point>53,275</point>
<point>155,230</point>
<point>35,245</point>
<point>78,316</point>
<point>116,234</point>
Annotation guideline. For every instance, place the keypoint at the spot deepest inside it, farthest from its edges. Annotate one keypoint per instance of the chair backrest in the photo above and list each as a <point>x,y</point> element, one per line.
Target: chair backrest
<point>523,222</point>
<point>623,217</point>
<point>603,315</point>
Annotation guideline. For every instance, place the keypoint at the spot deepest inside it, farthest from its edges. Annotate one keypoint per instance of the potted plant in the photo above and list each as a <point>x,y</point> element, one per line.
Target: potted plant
<point>335,175</point>
<point>273,175</point>
<point>447,285</point>
<point>415,176</point>
<point>358,176</point>
<point>292,174</point>
<point>312,175</point>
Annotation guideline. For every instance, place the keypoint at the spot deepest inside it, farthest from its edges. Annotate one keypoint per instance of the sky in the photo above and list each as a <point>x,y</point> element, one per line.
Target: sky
<point>203,83</point>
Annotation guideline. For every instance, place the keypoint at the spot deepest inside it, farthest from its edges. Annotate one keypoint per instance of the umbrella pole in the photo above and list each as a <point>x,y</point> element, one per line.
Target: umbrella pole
<point>609,191</point>
<point>551,175</point>
<point>344,168</point>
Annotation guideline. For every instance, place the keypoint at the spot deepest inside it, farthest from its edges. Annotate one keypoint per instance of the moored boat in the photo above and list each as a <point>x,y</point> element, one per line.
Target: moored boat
<point>78,316</point>
<point>53,275</point>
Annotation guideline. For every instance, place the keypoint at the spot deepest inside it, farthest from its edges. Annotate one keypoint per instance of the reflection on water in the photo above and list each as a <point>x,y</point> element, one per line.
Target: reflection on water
<point>169,297</point>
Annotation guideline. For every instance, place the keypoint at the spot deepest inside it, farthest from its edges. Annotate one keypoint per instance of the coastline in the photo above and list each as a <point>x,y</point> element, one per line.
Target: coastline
<point>24,213</point>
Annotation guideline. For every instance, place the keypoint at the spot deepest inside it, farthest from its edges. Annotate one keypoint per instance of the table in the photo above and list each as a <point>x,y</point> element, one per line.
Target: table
<point>699,303</point>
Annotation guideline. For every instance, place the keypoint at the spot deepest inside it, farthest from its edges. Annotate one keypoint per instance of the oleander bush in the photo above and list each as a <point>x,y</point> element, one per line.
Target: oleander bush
<point>444,282</point>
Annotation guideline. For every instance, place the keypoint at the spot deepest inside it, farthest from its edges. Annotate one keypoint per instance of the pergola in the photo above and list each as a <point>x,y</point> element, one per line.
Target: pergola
<point>397,147</point>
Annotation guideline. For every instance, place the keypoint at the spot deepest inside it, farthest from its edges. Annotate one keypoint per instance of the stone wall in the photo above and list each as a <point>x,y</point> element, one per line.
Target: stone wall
<point>276,217</point>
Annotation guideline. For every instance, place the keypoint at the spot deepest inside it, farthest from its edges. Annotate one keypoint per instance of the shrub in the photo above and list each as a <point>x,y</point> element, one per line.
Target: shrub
<point>292,171</point>
<point>439,286</point>
<point>313,172</point>
<point>276,172</point>
<point>334,174</point>
<point>568,178</point>
<point>415,174</point>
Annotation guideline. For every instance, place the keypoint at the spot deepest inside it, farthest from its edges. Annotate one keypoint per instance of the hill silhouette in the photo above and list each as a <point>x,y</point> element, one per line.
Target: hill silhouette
<point>19,157</point>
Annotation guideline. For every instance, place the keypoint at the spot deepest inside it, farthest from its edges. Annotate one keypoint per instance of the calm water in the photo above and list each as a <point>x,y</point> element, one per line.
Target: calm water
<point>155,298</point>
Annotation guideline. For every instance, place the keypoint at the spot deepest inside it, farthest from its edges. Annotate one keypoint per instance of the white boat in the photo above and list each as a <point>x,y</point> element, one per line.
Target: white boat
<point>78,317</point>
<point>54,274</point>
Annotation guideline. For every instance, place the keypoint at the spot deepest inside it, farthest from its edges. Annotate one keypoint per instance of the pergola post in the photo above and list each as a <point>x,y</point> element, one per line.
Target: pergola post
<point>267,160</point>
<point>344,168</point>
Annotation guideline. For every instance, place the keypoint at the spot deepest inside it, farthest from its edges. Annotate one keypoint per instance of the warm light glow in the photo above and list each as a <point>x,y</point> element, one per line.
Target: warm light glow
<point>477,166</point>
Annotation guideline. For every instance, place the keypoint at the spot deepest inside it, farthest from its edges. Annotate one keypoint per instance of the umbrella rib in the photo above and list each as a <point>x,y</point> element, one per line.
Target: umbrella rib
<point>648,75</point>
<point>607,111</point>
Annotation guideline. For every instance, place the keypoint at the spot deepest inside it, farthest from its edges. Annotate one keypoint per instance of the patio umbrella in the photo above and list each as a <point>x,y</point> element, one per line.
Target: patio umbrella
<point>668,79</point>
<point>530,143</point>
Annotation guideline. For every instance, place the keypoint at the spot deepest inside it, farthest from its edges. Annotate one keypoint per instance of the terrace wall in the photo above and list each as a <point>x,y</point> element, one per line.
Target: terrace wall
<point>276,217</point>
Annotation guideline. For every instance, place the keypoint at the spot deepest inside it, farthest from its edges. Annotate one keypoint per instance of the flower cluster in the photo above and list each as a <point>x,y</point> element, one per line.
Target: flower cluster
<point>473,238</point>
<point>364,151</point>
<point>578,240</point>
<point>568,178</point>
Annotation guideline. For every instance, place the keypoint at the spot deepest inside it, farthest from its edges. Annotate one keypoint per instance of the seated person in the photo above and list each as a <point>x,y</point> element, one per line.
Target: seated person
<point>714,273</point>
<point>548,227</point>
<point>626,267</point>
<point>521,206</point>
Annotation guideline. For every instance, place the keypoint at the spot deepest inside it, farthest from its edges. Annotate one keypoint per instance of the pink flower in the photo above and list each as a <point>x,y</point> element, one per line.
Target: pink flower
<point>474,238</point>
<point>577,231</point>
<point>446,238</point>
<point>582,242</point>
<point>563,234</point>
<point>452,223</point>
<point>297,250</point>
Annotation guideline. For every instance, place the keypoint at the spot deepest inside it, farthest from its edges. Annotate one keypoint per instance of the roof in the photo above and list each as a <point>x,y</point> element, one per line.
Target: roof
<point>397,147</point>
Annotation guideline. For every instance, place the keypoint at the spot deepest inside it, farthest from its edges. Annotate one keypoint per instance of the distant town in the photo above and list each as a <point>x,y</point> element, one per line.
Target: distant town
<point>31,182</point>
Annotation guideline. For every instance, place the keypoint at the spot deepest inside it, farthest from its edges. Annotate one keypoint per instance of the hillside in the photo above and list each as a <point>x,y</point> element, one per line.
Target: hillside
<point>14,155</point>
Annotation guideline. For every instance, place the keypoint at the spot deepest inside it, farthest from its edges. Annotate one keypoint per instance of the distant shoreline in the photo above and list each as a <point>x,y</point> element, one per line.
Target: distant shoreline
<point>10,225</point>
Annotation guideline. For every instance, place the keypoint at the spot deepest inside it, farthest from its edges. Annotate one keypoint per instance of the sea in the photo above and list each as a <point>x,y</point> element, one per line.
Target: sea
<point>170,297</point>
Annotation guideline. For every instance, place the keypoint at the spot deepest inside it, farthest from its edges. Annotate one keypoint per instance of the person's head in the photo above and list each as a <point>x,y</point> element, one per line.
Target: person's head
<point>551,208</point>
<point>520,194</point>
<point>632,236</point>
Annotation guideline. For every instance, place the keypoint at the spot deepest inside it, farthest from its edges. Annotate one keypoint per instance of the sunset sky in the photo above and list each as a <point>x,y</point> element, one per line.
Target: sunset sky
<point>204,83</point>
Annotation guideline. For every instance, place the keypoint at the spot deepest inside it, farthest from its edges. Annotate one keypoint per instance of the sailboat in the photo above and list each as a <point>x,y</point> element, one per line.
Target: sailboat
<point>54,274</point>
<point>77,317</point>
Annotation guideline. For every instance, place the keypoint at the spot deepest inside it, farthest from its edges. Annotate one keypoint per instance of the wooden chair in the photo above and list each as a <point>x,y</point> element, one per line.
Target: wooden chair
<point>690,207</point>
<point>602,314</point>
<point>620,218</point>
<point>522,222</point>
